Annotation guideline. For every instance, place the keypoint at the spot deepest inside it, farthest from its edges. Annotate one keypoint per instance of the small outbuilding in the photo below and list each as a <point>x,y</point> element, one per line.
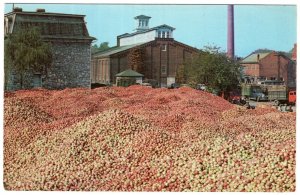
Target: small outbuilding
<point>128,77</point>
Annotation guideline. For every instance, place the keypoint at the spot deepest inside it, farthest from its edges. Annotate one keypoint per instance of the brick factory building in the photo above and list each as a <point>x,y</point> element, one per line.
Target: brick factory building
<point>269,66</point>
<point>161,54</point>
<point>70,44</point>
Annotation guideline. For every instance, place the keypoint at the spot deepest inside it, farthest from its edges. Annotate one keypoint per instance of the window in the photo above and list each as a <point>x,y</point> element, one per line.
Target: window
<point>163,69</point>
<point>168,34</point>
<point>164,47</point>
<point>163,34</point>
<point>146,22</point>
<point>159,34</point>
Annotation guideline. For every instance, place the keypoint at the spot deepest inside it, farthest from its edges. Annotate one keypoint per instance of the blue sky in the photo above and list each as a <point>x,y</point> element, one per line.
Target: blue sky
<point>256,26</point>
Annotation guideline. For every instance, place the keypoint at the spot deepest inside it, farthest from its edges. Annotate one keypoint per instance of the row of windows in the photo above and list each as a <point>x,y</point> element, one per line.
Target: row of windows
<point>263,78</point>
<point>164,34</point>
<point>55,28</point>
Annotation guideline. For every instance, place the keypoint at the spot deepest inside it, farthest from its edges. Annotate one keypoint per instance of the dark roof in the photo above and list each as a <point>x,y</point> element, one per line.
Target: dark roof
<point>253,58</point>
<point>144,31</point>
<point>142,17</point>
<point>52,25</point>
<point>129,73</point>
<point>116,49</point>
<point>163,25</point>
<point>44,13</point>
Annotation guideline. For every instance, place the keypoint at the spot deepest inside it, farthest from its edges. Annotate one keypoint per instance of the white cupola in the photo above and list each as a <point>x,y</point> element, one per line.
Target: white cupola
<point>142,22</point>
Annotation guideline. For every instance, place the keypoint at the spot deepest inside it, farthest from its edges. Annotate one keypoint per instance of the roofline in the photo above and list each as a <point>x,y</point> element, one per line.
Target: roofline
<point>65,37</point>
<point>109,49</point>
<point>253,62</point>
<point>141,45</point>
<point>45,14</point>
<point>144,31</point>
<point>196,49</point>
<point>136,17</point>
<point>135,33</point>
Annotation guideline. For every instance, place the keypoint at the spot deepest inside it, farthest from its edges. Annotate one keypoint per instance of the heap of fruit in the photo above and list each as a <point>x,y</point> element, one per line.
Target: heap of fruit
<point>143,139</point>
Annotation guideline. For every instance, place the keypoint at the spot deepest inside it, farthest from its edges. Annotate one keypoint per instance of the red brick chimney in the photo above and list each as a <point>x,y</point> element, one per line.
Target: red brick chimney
<point>230,32</point>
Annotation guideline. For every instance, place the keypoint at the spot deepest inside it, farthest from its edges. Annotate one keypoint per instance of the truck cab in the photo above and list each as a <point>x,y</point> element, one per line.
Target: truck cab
<point>257,94</point>
<point>292,97</point>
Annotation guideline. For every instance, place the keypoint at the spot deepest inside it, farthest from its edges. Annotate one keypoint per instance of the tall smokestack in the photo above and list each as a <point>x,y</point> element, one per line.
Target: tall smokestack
<point>230,32</point>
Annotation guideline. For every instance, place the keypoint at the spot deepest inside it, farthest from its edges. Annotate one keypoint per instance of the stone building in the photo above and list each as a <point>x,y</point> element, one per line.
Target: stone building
<point>70,44</point>
<point>269,66</point>
<point>161,54</point>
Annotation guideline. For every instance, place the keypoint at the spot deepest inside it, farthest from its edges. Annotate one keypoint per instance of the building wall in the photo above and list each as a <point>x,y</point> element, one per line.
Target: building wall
<point>139,38</point>
<point>251,69</point>
<point>70,67</point>
<point>100,71</point>
<point>161,60</point>
<point>292,75</point>
<point>71,57</point>
<point>269,67</point>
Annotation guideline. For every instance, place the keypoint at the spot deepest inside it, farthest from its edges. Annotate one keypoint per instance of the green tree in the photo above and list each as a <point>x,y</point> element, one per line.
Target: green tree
<point>214,69</point>
<point>25,51</point>
<point>102,47</point>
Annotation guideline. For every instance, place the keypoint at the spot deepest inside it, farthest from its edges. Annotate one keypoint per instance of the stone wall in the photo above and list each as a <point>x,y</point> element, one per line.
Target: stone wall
<point>71,67</point>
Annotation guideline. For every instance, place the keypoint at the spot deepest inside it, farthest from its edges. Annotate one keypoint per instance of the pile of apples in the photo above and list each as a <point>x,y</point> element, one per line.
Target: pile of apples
<point>143,139</point>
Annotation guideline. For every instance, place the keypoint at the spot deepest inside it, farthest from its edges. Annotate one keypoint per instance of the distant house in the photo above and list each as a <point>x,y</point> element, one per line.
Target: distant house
<point>162,55</point>
<point>70,43</point>
<point>269,66</point>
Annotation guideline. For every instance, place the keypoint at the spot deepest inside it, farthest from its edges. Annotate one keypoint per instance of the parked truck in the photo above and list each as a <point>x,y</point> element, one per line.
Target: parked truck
<point>253,91</point>
<point>269,90</point>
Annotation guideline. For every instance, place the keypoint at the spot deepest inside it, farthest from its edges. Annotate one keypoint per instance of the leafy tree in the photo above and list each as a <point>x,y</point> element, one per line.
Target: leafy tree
<point>102,47</point>
<point>288,54</point>
<point>213,69</point>
<point>265,50</point>
<point>24,51</point>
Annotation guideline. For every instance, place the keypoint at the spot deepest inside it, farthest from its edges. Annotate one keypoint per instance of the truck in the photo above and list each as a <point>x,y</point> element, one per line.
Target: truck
<point>253,91</point>
<point>271,91</point>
